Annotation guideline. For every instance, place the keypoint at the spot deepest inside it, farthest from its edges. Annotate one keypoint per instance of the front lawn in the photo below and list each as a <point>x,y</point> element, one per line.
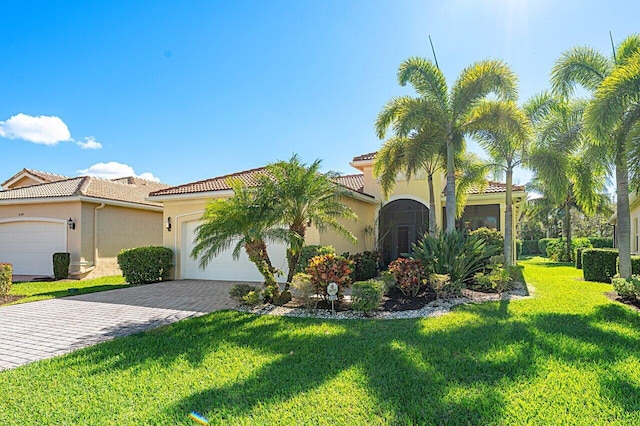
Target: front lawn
<point>569,355</point>
<point>40,290</point>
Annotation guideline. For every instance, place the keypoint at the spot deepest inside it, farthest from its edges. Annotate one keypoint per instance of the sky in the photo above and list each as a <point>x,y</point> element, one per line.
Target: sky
<point>186,90</point>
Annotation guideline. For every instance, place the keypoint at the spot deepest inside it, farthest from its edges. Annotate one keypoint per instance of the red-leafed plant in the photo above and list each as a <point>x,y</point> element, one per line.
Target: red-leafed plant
<point>409,274</point>
<point>329,268</point>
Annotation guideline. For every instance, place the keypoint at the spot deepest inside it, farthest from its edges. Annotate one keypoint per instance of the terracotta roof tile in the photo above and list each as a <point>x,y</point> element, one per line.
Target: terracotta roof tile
<point>90,187</point>
<point>354,182</point>
<point>38,174</point>
<point>365,157</point>
<point>491,188</point>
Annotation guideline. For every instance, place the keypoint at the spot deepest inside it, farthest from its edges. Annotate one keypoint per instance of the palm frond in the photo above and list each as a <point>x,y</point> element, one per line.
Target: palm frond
<point>579,66</point>
<point>426,79</point>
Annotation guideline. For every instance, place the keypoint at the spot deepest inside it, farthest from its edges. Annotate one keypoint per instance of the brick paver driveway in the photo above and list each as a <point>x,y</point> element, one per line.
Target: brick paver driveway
<point>39,330</point>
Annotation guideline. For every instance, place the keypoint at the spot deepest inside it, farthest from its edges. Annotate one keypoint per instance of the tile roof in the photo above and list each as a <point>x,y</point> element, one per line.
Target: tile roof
<point>38,174</point>
<point>365,157</point>
<point>88,186</point>
<point>491,188</point>
<point>248,178</point>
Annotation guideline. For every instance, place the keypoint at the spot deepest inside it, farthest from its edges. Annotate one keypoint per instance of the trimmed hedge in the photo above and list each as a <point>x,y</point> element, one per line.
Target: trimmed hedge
<point>144,265</point>
<point>530,247</point>
<point>635,265</point>
<point>6,271</point>
<point>518,249</point>
<point>599,264</point>
<point>577,256</point>
<point>543,243</point>
<point>61,262</point>
<point>367,295</point>
<point>601,242</point>
<point>365,265</point>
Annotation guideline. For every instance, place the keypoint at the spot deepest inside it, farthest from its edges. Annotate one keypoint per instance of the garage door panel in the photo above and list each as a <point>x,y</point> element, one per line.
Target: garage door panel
<point>29,245</point>
<point>224,267</point>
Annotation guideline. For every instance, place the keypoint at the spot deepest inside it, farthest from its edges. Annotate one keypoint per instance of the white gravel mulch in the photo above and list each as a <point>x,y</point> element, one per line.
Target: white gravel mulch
<point>433,309</point>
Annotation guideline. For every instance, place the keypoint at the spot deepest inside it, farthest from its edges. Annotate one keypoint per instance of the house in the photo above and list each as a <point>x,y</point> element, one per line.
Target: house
<point>91,218</point>
<point>634,214</point>
<point>390,225</point>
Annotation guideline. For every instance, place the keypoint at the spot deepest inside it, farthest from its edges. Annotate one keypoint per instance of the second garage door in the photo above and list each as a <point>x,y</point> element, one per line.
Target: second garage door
<point>29,245</point>
<point>224,267</point>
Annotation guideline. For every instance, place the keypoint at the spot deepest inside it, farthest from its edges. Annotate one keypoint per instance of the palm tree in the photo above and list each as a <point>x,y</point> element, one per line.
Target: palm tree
<point>446,113</point>
<point>304,196</point>
<point>564,158</point>
<point>504,136</point>
<point>418,152</point>
<point>243,221</point>
<point>612,116</point>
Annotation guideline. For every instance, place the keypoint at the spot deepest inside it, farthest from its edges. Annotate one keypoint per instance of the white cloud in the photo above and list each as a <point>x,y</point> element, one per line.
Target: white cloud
<point>114,170</point>
<point>89,142</point>
<point>47,130</point>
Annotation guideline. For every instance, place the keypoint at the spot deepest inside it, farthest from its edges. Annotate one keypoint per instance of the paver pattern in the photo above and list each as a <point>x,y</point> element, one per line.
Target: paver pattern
<point>40,330</point>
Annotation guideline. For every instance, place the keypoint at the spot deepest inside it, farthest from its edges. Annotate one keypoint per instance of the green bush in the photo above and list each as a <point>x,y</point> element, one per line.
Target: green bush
<point>253,298</point>
<point>6,272</point>
<point>601,242</point>
<point>239,291</point>
<point>491,237</point>
<point>627,289</point>
<point>443,286</point>
<point>409,275</point>
<point>61,262</point>
<point>365,265</point>
<point>542,245</point>
<point>304,289</point>
<point>329,268</point>
<point>557,249</point>
<point>599,264</point>
<point>309,252</point>
<point>453,254</point>
<point>367,295</point>
<point>518,249</point>
<point>144,265</point>
<point>498,280</point>
<point>635,265</point>
<point>530,247</point>
<point>577,256</point>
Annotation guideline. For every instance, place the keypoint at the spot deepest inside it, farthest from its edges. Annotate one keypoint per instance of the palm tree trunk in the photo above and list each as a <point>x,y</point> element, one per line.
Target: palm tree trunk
<point>623,216</point>
<point>567,229</point>
<point>508,222</point>
<point>432,207</point>
<point>293,252</point>
<point>451,187</point>
<point>257,253</point>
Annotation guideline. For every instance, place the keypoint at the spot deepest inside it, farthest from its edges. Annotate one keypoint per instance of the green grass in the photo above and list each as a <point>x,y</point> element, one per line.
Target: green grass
<point>42,290</point>
<point>567,356</point>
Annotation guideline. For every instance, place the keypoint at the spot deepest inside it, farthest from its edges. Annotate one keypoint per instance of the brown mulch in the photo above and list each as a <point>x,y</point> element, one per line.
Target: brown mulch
<point>8,299</point>
<point>632,303</point>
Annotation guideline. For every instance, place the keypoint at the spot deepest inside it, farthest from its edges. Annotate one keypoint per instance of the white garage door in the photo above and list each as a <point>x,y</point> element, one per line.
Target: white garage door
<point>224,267</point>
<point>29,245</point>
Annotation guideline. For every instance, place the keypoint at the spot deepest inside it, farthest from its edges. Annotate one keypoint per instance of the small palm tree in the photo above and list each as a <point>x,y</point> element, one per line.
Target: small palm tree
<point>445,114</point>
<point>504,136</point>
<point>613,116</point>
<point>303,196</point>
<point>566,161</point>
<point>243,221</point>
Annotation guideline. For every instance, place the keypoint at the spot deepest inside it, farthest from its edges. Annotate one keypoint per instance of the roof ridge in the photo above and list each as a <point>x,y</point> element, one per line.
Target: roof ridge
<point>230,175</point>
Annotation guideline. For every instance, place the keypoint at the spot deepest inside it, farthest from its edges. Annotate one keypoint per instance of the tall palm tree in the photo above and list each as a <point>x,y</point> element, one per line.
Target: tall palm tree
<point>564,158</point>
<point>416,153</point>
<point>304,196</point>
<point>613,115</point>
<point>504,136</point>
<point>243,221</point>
<point>445,112</point>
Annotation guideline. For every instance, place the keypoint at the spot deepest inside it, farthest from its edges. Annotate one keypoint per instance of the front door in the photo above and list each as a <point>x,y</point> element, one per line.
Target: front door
<point>403,236</point>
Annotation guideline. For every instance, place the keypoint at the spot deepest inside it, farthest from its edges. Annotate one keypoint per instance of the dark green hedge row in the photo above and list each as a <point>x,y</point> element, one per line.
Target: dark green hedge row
<point>599,264</point>
<point>144,265</point>
<point>530,247</point>
<point>577,256</point>
<point>6,272</point>
<point>61,263</point>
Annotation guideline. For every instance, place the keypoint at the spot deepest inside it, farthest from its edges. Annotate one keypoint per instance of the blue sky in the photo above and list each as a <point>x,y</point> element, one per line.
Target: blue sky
<point>187,90</point>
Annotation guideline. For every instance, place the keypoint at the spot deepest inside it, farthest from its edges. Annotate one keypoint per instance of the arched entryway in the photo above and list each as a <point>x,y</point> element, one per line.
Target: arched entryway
<point>401,223</point>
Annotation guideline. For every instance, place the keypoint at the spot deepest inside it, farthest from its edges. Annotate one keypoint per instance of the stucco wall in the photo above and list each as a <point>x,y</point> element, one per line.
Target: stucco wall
<point>366,217</point>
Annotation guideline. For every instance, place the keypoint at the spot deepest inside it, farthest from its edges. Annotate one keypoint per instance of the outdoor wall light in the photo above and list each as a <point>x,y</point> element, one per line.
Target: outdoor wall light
<point>169,224</point>
<point>71,224</point>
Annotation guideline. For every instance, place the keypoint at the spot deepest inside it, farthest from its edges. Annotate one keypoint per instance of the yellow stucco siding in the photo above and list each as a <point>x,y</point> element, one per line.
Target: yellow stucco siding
<point>24,181</point>
<point>366,217</point>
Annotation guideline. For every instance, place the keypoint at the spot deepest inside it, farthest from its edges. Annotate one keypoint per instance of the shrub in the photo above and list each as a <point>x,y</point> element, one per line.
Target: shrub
<point>627,289</point>
<point>329,268</point>
<point>367,295</point>
<point>518,249</point>
<point>145,264</point>
<point>238,291</point>
<point>599,264</point>
<point>61,263</point>
<point>443,286</point>
<point>542,245</point>
<point>252,298</point>
<point>6,272</point>
<point>304,290</point>
<point>635,265</point>
<point>498,280</point>
<point>601,242</point>
<point>365,265</point>
<point>530,247</point>
<point>577,256</point>
<point>309,252</point>
<point>453,254</point>
<point>491,238</point>
<point>557,249</point>
<point>409,275</point>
